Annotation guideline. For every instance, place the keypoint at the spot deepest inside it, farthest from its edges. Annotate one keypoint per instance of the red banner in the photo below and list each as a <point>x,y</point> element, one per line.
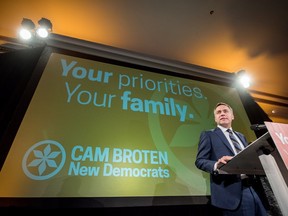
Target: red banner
<point>279,134</point>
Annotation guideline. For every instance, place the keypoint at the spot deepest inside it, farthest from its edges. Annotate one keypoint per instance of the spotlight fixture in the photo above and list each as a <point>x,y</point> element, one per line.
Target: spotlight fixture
<point>243,79</point>
<point>45,28</point>
<point>28,30</point>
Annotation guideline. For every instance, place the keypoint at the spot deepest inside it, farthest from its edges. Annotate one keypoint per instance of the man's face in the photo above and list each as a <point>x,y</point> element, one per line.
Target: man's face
<point>223,116</point>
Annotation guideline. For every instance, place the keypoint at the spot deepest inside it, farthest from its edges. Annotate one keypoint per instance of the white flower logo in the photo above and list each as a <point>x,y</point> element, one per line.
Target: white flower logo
<point>47,156</point>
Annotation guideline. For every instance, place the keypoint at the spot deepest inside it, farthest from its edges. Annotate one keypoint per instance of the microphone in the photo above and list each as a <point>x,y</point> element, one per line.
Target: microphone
<point>258,127</point>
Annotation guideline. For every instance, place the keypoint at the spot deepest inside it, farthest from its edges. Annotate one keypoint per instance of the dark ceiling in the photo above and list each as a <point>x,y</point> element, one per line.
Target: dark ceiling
<point>224,35</point>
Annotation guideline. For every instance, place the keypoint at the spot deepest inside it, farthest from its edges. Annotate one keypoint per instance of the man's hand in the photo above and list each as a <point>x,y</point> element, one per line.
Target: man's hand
<point>223,160</point>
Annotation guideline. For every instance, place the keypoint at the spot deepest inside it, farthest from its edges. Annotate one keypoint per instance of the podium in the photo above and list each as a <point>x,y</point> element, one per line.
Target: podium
<point>265,156</point>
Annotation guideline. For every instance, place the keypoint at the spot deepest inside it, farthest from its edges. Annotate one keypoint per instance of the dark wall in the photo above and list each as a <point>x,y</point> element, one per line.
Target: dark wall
<point>16,69</point>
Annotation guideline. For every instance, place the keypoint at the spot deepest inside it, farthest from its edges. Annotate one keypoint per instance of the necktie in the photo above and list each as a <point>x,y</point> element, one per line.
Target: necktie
<point>234,141</point>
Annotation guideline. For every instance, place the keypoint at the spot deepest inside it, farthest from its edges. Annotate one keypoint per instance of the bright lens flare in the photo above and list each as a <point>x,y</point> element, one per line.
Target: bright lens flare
<point>245,81</point>
<point>42,32</point>
<point>25,34</point>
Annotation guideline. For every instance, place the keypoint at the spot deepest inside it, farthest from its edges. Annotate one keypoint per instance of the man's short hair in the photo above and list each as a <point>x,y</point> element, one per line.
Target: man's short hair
<point>224,104</point>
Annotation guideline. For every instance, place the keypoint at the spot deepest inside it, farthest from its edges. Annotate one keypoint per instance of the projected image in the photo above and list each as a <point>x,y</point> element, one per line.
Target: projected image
<point>95,129</point>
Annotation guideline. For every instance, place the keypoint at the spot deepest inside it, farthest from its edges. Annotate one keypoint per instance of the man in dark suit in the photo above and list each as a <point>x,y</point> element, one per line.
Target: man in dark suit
<point>232,194</point>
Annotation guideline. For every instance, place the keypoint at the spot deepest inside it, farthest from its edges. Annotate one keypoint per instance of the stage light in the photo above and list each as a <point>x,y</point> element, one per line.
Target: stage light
<point>243,79</point>
<point>45,28</point>
<point>25,34</point>
<point>29,32</point>
<point>27,29</point>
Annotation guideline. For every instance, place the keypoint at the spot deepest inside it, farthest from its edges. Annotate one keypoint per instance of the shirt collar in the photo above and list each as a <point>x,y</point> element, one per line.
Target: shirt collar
<point>223,128</point>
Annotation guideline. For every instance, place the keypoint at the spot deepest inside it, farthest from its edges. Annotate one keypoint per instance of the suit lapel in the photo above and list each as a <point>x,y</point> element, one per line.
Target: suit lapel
<point>219,132</point>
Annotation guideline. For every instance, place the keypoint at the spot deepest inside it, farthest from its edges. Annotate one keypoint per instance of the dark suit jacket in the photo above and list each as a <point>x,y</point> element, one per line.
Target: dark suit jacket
<point>225,189</point>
